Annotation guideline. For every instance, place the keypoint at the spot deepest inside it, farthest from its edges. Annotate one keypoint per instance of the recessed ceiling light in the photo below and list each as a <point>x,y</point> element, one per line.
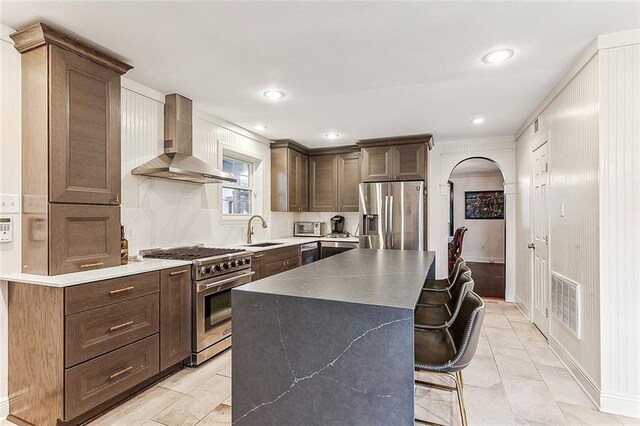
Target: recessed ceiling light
<point>497,56</point>
<point>274,95</point>
<point>478,120</point>
<point>260,127</point>
<point>332,135</point>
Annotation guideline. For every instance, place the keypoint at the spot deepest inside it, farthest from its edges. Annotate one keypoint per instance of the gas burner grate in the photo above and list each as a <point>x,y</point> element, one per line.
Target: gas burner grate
<point>191,253</point>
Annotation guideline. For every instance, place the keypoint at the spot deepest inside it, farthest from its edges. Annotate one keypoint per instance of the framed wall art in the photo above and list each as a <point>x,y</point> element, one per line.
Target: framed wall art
<point>484,205</point>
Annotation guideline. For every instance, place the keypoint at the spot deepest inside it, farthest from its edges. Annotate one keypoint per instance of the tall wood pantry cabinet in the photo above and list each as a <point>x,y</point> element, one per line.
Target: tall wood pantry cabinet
<point>70,153</point>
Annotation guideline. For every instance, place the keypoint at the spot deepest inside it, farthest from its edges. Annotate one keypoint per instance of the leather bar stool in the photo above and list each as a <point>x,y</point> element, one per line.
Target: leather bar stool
<point>429,297</point>
<point>446,283</point>
<point>433,317</point>
<point>447,352</point>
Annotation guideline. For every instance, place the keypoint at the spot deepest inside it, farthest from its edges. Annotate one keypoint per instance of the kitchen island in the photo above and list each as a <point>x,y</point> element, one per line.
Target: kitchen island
<point>329,343</point>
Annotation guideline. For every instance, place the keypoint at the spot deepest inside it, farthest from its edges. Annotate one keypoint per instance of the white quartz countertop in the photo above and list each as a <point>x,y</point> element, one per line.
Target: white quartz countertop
<point>66,280</point>
<point>293,241</point>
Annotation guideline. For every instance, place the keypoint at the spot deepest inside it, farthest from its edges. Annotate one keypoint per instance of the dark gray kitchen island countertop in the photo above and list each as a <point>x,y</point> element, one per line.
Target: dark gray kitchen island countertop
<point>329,343</point>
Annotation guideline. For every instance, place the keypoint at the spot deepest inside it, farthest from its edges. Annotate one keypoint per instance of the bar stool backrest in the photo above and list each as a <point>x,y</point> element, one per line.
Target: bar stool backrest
<point>464,285</point>
<point>465,330</point>
<point>453,276</point>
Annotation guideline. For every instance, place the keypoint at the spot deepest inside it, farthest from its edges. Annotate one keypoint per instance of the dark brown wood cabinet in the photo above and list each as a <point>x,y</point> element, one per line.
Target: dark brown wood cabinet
<point>257,266</point>
<point>175,316</point>
<point>323,172</point>
<point>289,177</point>
<point>377,164</point>
<point>95,343</point>
<point>83,237</point>
<point>348,182</point>
<point>70,151</point>
<point>275,261</point>
<point>84,130</point>
<point>395,159</point>
<point>334,180</point>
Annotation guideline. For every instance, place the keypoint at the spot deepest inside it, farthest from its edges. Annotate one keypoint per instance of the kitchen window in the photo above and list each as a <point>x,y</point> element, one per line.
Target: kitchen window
<point>237,198</point>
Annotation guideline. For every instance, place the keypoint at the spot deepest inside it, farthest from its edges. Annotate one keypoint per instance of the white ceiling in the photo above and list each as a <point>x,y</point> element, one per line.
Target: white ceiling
<point>362,69</point>
<point>475,166</point>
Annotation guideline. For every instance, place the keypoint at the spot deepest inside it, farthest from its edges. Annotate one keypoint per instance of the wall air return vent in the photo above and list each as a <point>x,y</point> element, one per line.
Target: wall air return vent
<point>565,302</point>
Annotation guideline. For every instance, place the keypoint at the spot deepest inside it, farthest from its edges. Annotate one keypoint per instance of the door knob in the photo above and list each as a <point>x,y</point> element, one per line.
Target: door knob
<point>532,246</point>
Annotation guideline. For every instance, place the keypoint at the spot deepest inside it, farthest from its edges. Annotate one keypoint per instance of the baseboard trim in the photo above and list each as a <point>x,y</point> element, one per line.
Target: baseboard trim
<point>523,308</point>
<point>623,405</point>
<point>583,378</point>
<point>4,407</point>
<point>484,259</point>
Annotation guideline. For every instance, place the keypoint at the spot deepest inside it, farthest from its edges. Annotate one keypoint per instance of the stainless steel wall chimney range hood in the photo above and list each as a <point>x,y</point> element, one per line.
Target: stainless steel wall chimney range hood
<point>178,162</point>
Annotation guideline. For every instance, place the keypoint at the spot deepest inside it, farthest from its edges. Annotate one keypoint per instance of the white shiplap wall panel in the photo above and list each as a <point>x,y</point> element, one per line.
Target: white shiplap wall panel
<point>142,139</point>
<point>574,239</point>
<point>619,229</point>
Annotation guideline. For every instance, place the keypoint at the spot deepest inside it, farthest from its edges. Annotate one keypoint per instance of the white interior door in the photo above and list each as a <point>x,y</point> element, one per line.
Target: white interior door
<point>540,243</point>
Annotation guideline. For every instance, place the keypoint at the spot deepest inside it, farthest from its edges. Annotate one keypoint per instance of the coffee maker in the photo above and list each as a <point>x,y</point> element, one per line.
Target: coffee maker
<point>337,227</point>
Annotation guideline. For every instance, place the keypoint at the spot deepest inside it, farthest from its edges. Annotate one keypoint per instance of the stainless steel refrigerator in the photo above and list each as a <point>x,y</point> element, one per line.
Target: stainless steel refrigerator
<point>392,215</point>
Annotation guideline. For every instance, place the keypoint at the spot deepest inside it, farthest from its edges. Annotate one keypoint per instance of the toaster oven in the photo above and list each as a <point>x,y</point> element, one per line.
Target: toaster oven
<point>309,229</point>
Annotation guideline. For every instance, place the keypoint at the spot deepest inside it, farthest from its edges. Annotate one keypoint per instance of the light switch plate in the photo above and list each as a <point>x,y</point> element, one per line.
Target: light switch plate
<point>9,203</point>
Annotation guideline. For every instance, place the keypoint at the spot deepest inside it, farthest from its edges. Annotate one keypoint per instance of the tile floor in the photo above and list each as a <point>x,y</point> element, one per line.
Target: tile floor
<point>515,379</point>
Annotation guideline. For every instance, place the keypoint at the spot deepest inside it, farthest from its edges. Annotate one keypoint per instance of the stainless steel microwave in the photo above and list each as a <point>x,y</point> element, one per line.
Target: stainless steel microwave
<point>309,229</point>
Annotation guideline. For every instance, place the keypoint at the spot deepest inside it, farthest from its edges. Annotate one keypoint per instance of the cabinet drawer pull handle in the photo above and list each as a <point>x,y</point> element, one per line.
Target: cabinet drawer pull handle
<point>91,265</point>
<point>121,372</point>
<point>258,256</point>
<point>119,326</point>
<point>120,290</point>
<point>178,272</point>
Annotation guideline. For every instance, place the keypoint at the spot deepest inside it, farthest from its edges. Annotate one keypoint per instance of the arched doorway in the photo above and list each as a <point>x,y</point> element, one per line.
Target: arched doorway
<point>476,202</point>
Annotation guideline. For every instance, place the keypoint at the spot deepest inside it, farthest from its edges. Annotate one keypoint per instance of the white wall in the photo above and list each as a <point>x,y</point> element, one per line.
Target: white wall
<point>442,160</point>
<point>592,123</point>
<point>10,160</point>
<point>484,239</point>
<point>619,192</point>
<point>162,213</point>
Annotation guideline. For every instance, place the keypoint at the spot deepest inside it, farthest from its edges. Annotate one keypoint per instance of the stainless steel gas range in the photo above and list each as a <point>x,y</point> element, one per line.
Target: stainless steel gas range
<point>214,273</point>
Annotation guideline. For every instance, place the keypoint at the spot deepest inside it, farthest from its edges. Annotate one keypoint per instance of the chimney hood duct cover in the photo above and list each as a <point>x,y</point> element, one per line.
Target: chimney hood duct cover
<point>177,162</point>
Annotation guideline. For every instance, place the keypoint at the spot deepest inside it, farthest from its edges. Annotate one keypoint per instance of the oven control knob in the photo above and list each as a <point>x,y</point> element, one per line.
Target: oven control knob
<point>233,264</point>
<point>225,265</point>
<point>206,269</point>
<point>247,261</point>
<point>217,268</point>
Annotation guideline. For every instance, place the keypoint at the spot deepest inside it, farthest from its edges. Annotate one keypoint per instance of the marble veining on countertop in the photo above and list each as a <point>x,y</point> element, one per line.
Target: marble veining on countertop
<point>391,278</point>
<point>66,280</point>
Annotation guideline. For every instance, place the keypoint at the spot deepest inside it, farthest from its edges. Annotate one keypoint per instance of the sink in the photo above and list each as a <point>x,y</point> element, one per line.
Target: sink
<point>263,244</point>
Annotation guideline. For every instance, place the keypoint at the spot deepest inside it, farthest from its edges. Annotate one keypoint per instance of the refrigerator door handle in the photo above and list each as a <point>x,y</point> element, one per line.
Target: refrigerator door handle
<point>390,216</point>
<point>386,222</point>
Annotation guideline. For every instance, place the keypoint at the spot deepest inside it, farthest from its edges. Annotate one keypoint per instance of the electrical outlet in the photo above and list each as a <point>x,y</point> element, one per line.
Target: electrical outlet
<point>9,203</point>
<point>483,248</point>
<point>130,233</point>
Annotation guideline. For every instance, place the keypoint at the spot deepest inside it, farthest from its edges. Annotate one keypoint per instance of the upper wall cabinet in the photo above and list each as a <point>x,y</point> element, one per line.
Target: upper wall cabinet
<point>84,126</point>
<point>70,152</point>
<point>394,159</point>
<point>289,177</point>
<point>333,181</point>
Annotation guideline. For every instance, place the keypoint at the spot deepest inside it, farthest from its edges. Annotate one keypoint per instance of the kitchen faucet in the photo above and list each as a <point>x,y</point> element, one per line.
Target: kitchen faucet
<point>250,228</point>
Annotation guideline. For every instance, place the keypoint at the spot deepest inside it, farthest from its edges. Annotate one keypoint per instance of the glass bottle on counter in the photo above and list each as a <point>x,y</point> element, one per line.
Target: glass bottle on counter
<point>124,247</point>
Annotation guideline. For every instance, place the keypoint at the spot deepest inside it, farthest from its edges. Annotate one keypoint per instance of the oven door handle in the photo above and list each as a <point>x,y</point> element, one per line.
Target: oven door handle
<point>228,280</point>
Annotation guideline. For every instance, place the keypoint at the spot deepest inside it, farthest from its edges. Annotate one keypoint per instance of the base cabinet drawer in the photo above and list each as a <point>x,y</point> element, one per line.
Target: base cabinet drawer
<point>90,384</point>
<point>94,295</point>
<point>98,331</point>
